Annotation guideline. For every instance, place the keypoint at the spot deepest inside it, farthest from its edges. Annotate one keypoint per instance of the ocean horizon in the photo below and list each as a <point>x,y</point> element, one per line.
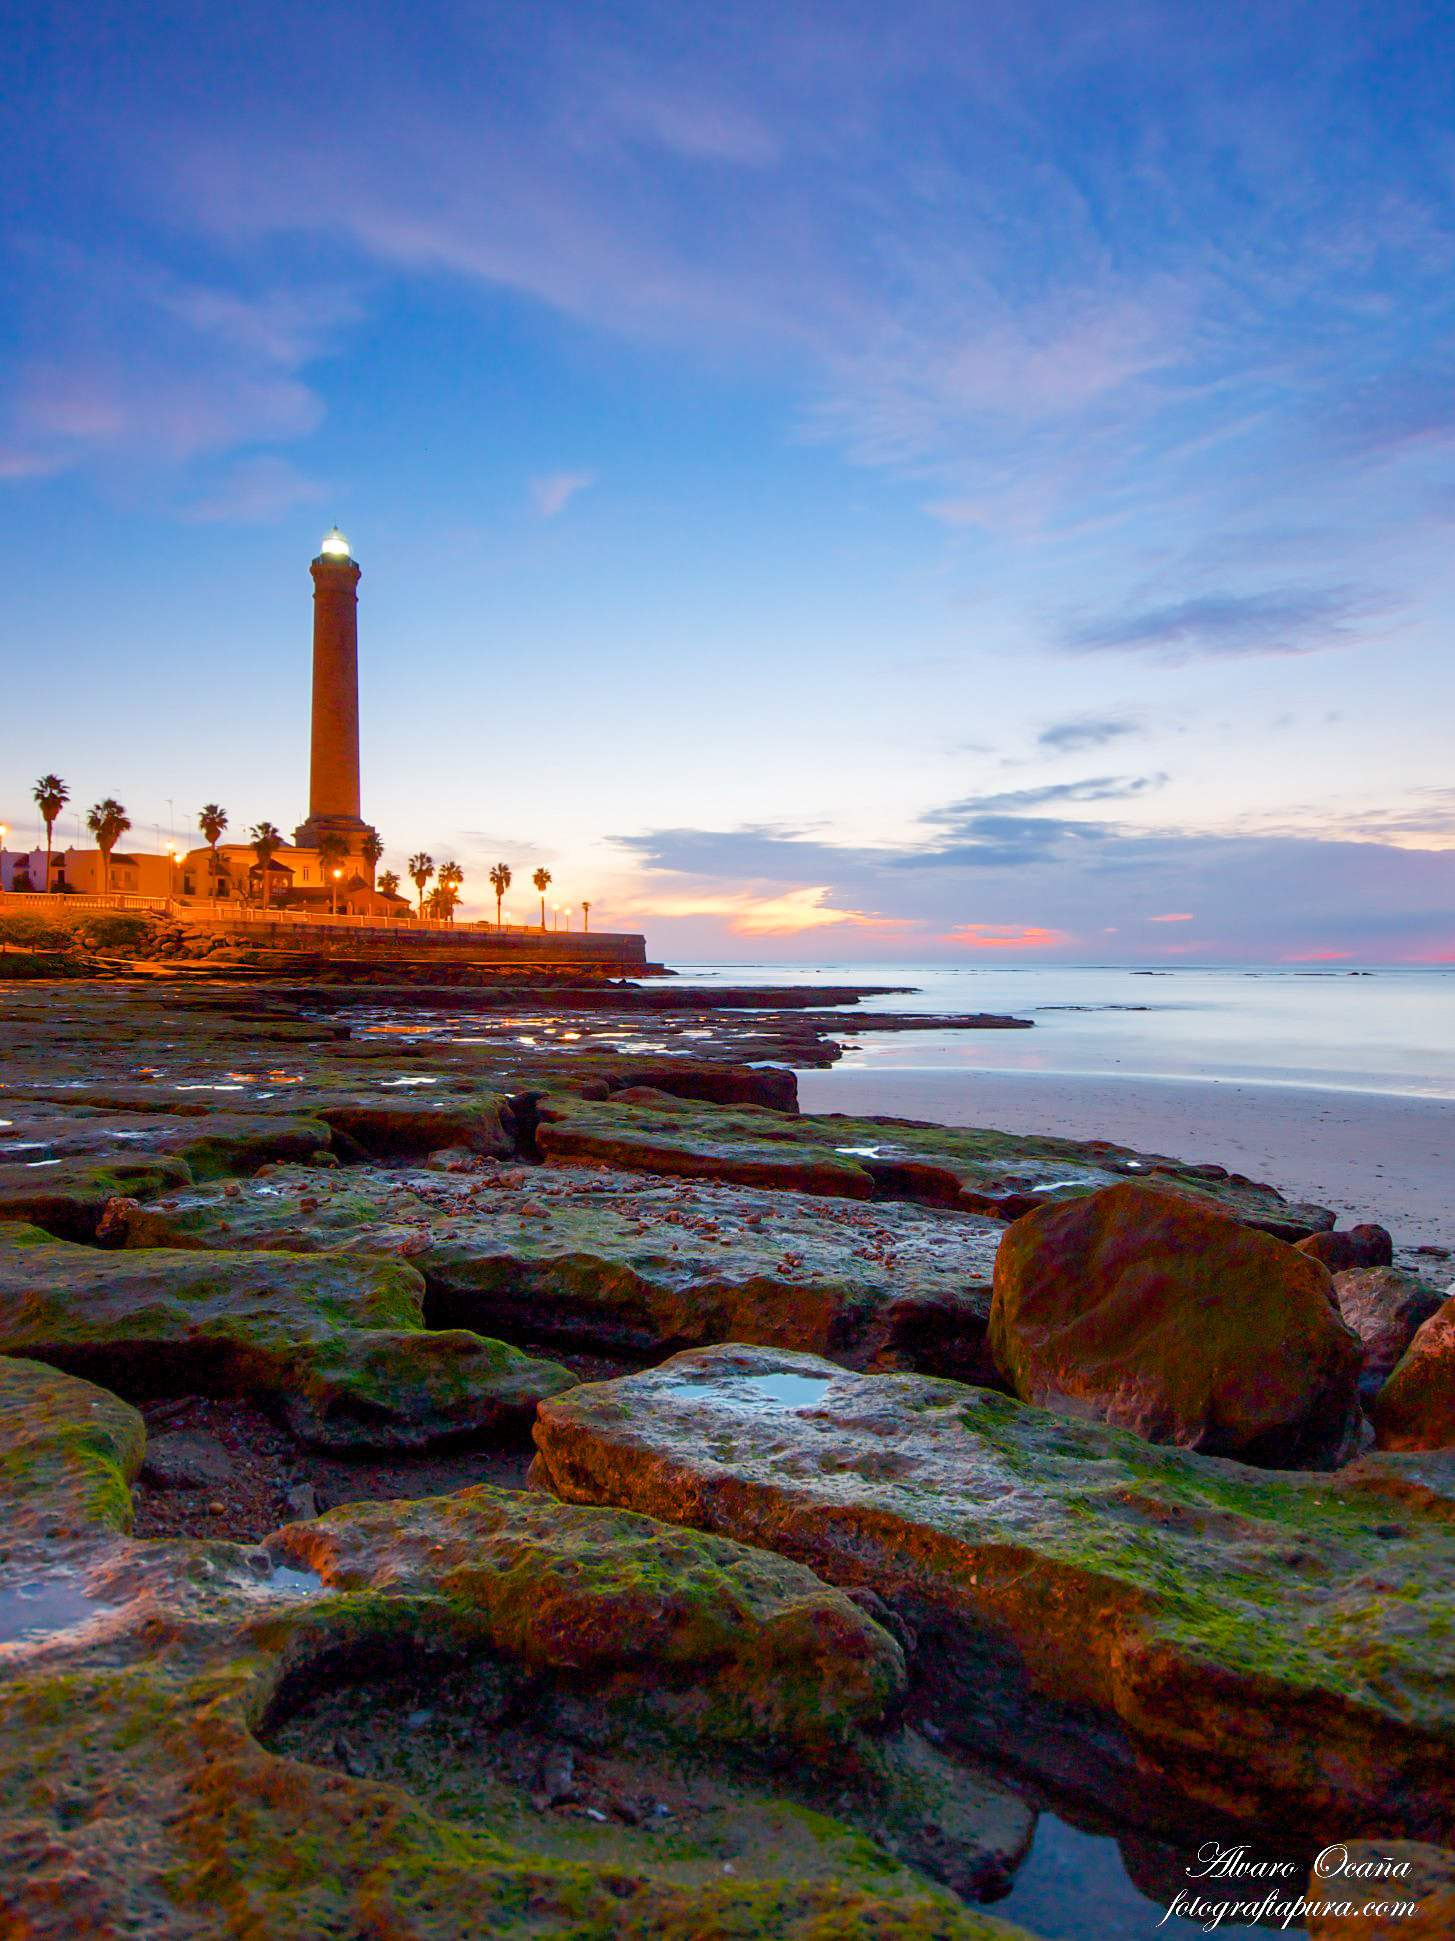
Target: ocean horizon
<point>1375,1029</point>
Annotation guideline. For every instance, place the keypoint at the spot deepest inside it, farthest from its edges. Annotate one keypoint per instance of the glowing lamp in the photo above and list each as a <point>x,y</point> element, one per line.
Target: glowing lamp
<point>334,546</point>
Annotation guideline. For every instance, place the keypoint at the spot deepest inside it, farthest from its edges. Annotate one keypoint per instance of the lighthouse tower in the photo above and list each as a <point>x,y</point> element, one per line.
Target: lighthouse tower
<point>333,776</point>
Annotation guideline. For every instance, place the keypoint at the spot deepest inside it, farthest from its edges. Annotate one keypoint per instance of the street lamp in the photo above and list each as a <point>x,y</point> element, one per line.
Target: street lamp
<point>4,832</point>
<point>567,914</point>
<point>171,869</point>
<point>334,891</point>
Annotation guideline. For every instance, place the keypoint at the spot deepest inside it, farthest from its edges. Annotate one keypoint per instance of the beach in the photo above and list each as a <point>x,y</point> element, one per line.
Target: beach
<point>1368,1155</point>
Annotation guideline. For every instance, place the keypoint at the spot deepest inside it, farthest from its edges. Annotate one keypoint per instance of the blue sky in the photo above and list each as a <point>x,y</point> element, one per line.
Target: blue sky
<point>839,480</point>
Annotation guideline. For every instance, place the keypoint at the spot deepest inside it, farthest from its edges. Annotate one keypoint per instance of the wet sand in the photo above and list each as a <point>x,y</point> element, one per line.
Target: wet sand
<point>1368,1155</point>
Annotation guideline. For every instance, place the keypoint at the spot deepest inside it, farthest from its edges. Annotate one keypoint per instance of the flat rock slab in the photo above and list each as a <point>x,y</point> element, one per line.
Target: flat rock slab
<point>215,1142</point>
<point>977,1171</point>
<point>630,1265</point>
<point>339,1346</point>
<point>142,1685</point>
<point>70,1196</point>
<point>1170,1634</point>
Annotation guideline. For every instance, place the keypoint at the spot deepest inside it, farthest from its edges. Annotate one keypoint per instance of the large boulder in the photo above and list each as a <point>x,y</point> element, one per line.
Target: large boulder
<point>1416,1407</point>
<point>1174,1637</point>
<point>1366,1246</point>
<point>1386,1309</point>
<point>1144,1308</point>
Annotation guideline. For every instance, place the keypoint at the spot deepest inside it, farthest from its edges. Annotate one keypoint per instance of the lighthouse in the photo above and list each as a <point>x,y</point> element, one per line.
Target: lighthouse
<point>333,774</point>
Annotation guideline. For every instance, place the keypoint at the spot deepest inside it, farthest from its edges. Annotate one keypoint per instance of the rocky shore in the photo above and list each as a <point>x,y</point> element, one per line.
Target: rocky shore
<point>475,1458</point>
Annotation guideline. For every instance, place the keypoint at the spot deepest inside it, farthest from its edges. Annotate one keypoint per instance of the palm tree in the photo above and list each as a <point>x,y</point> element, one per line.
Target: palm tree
<point>451,877</point>
<point>542,881</point>
<point>421,868</point>
<point>372,849</point>
<point>388,884</point>
<point>267,840</point>
<point>585,914</point>
<point>332,851</point>
<point>500,883</point>
<point>108,822</point>
<point>51,796</point>
<point>212,821</point>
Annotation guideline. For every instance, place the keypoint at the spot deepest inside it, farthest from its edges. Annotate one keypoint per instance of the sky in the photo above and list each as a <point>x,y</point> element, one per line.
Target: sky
<point>837,481</point>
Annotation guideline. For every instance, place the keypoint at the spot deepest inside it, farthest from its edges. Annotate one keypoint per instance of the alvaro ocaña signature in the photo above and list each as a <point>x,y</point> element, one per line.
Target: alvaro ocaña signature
<point>1282,1903</point>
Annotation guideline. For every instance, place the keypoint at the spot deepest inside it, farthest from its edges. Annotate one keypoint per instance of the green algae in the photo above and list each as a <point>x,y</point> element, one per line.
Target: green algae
<point>340,1347</point>
<point>146,1802</point>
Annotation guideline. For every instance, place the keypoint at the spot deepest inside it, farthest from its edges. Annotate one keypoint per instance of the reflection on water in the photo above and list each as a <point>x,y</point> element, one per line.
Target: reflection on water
<point>1074,1886</point>
<point>783,1391</point>
<point>44,1606</point>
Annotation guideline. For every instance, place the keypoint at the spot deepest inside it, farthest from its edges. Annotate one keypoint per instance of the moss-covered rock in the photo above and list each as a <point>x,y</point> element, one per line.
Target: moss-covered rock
<point>338,1346</point>
<point>37,1130</point>
<point>975,1170</point>
<point>1386,1309</point>
<point>68,1454</point>
<point>137,1794</point>
<point>1416,1407</point>
<point>1154,1311</point>
<point>1171,1634</point>
<point>630,1265</point>
<point>70,1197</point>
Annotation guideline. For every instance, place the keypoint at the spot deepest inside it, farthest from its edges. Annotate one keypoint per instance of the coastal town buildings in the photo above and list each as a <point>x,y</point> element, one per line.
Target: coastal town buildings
<point>82,872</point>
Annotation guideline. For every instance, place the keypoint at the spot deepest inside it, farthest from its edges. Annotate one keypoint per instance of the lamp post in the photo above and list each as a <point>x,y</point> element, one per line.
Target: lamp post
<point>567,914</point>
<point>4,832</point>
<point>171,870</point>
<point>585,916</point>
<point>334,891</point>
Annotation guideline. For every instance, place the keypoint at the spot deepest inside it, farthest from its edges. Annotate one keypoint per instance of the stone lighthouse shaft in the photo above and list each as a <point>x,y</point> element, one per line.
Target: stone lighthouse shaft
<point>333,777</point>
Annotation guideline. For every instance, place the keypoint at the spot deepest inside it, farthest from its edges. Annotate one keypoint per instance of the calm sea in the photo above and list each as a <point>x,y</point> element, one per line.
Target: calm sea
<point>1381,1031</point>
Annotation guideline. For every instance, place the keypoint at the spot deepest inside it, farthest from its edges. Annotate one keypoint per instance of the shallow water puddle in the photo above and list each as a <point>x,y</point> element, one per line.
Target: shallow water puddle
<point>783,1391</point>
<point>45,1606</point>
<point>294,1580</point>
<point>408,1081</point>
<point>1074,1886</point>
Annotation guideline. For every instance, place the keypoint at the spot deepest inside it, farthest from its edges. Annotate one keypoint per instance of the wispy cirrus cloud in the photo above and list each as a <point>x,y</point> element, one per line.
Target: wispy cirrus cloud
<point>1083,732</point>
<point>554,492</point>
<point>134,366</point>
<point>254,491</point>
<point>1092,788</point>
<point>1285,620</point>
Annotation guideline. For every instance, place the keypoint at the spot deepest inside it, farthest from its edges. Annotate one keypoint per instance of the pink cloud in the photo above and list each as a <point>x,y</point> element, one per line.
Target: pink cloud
<point>1006,936</point>
<point>1175,916</point>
